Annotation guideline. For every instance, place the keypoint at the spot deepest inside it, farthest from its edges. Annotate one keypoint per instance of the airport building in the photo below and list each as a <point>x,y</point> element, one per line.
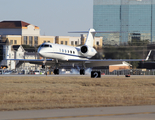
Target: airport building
<point>133,19</point>
<point>22,33</point>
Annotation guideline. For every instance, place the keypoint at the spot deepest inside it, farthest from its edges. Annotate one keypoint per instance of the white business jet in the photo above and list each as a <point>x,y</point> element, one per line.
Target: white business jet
<point>61,54</point>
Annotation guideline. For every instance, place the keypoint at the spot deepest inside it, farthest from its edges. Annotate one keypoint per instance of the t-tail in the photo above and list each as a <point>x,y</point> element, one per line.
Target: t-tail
<point>90,38</point>
<point>91,35</point>
<point>87,49</point>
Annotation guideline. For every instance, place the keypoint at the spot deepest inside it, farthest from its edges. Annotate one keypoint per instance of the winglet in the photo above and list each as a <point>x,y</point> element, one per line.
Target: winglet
<point>148,56</point>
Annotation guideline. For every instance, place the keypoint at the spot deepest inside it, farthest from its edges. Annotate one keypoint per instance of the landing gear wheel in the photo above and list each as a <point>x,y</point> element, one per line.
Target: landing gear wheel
<point>82,72</point>
<point>56,71</point>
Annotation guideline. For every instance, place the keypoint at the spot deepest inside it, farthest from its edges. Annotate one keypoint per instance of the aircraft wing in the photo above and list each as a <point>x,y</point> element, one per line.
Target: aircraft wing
<point>90,62</point>
<point>106,62</point>
<point>87,62</point>
<point>34,61</point>
<point>31,60</point>
<point>103,62</point>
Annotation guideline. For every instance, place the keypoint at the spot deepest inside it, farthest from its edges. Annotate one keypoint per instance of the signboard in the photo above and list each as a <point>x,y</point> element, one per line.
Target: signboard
<point>95,74</point>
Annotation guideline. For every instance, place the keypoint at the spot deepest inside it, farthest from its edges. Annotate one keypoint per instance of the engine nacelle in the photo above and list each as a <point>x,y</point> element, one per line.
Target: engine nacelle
<point>88,51</point>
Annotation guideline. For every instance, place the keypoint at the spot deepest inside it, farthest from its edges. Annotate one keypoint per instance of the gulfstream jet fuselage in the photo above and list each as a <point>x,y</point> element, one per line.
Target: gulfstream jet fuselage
<point>64,52</point>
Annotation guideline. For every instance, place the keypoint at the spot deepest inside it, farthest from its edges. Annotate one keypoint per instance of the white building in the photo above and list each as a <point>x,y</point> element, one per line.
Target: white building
<point>12,52</point>
<point>18,52</point>
<point>18,28</point>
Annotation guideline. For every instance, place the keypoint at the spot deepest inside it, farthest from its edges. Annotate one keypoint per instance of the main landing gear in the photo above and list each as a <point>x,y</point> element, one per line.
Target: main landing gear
<point>56,71</point>
<point>82,72</point>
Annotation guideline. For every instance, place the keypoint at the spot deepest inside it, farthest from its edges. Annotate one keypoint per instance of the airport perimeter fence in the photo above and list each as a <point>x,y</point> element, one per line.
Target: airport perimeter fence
<point>128,72</point>
<point>88,71</point>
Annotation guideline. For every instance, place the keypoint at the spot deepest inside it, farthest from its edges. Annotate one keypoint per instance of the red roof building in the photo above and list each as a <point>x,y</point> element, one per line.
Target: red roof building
<point>14,24</point>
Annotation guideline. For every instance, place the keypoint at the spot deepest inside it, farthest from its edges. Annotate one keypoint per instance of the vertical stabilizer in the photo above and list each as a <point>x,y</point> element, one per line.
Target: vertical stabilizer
<point>90,38</point>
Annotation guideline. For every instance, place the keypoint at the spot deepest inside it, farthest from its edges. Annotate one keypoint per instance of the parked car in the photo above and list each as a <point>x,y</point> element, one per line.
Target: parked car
<point>36,72</point>
<point>1,71</point>
<point>7,72</point>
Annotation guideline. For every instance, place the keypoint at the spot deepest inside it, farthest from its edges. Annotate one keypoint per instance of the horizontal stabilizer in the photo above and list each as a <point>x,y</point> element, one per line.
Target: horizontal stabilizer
<point>95,32</point>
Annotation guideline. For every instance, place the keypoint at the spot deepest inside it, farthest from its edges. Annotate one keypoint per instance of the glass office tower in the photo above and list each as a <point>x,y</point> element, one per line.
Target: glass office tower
<point>131,18</point>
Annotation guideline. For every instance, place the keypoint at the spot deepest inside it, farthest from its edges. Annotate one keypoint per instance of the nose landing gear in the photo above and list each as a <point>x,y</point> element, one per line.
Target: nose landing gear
<point>56,71</point>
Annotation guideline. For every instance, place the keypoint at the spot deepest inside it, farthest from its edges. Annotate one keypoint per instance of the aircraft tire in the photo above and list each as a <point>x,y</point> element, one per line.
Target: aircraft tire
<point>82,72</point>
<point>56,71</point>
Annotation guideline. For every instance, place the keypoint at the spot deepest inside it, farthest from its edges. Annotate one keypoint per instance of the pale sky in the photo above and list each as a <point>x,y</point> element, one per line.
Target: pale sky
<point>54,17</point>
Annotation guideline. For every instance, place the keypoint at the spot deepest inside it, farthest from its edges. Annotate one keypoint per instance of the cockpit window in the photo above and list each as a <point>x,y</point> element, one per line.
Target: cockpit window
<point>51,46</point>
<point>46,45</point>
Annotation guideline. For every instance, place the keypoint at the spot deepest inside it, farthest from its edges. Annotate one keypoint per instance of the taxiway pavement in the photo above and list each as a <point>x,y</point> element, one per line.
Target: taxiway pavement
<point>100,113</point>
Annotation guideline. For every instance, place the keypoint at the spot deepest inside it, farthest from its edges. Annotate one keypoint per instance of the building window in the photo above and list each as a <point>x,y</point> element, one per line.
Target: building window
<point>36,40</point>
<point>11,42</point>
<point>25,40</point>
<point>62,42</point>
<point>44,41</point>
<point>72,42</point>
<point>15,42</point>
<point>97,43</point>
<point>30,40</point>
<point>49,41</point>
<point>75,42</point>
<point>65,42</point>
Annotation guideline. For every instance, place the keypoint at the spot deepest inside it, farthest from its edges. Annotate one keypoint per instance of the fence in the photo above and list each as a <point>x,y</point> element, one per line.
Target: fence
<point>125,72</point>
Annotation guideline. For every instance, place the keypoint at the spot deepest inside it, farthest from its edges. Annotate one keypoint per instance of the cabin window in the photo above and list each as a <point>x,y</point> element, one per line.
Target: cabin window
<point>73,52</point>
<point>65,51</point>
<point>62,50</point>
<point>70,51</point>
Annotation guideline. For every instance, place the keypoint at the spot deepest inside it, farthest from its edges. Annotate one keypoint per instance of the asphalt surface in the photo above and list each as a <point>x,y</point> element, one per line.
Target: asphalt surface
<point>106,113</point>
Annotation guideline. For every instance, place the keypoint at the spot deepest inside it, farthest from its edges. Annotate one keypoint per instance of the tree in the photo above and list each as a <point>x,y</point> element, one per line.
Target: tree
<point>136,49</point>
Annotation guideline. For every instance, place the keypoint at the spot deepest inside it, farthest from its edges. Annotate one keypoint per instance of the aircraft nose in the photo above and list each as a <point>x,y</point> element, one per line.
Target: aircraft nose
<point>40,52</point>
